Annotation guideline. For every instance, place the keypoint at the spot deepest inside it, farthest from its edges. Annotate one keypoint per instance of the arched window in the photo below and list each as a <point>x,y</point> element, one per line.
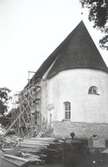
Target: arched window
<point>67,107</point>
<point>93,90</point>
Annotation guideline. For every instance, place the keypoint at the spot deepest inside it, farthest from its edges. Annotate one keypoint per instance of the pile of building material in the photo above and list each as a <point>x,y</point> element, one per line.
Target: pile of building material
<point>48,150</point>
<point>26,152</point>
<point>45,148</point>
<point>35,145</point>
<point>18,161</point>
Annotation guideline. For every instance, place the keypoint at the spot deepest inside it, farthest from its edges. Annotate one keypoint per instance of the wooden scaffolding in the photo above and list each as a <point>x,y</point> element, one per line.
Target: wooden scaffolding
<point>27,118</point>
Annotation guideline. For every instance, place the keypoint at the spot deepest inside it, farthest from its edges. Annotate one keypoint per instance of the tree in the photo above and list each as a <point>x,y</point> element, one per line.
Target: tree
<point>4,99</point>
<point>98,14</point>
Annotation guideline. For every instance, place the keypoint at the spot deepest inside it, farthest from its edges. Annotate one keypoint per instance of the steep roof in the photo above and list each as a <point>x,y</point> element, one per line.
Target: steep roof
<point>76,51</point>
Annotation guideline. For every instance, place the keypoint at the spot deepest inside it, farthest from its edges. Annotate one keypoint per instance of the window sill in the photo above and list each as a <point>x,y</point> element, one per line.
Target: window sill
<point>66,119</point>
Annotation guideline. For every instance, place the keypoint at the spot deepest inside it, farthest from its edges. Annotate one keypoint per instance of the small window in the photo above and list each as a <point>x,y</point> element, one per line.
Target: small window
<point>93,90</point>
<point>67,107</point>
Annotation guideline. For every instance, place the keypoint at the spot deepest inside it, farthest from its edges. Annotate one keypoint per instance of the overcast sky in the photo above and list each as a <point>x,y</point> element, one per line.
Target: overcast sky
<point>29,31</point>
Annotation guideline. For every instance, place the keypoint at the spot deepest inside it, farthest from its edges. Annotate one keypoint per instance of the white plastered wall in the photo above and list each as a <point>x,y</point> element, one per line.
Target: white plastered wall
<point>72,85</point>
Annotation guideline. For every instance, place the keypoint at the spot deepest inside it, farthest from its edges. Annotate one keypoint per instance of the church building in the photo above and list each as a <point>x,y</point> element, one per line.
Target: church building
<point>74,88</point>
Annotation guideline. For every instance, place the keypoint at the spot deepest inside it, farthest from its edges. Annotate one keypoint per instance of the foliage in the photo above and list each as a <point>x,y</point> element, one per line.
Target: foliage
<point>98,14</point>
<point>4,98</point>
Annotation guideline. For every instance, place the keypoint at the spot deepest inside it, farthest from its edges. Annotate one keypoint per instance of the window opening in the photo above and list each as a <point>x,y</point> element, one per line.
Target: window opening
<point>93,90</point>
<point>67,106</point>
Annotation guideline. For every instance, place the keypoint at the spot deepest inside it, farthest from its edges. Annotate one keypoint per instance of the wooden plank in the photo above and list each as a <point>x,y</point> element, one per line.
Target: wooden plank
<point>36,142</point>
<point>15,157</point>
<point>32,145</point>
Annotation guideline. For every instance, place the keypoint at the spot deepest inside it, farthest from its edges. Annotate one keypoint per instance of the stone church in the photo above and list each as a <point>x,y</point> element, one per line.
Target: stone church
<point>74,87</point>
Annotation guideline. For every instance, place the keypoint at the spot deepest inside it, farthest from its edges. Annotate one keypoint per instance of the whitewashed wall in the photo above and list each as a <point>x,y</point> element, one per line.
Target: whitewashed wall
<point>72,85</point>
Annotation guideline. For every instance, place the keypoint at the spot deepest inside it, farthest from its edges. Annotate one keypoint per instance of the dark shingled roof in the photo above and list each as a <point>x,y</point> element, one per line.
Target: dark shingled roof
<point>76,51</point>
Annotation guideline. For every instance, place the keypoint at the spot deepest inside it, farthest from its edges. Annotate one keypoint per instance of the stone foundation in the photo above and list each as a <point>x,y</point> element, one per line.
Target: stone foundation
<point>81,130</point>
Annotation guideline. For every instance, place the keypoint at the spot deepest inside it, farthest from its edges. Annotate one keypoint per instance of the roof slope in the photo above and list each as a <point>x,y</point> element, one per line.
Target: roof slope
<point>76,51</point>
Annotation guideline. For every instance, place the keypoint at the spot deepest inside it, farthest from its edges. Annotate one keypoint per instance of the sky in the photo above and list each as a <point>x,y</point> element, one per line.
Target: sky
<point>29,32</point>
